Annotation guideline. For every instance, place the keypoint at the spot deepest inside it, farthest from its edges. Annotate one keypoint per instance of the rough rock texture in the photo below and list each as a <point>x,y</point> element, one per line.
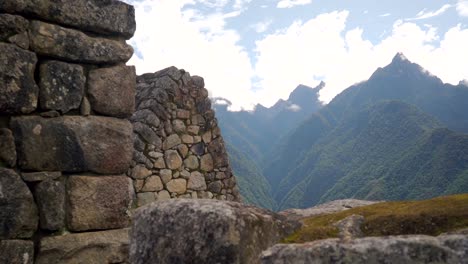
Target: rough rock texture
<point>106,17</point>
<point>90,248</point>
<point>40,176</point>
<point>326,208</point>
<point>350,227</point>
<point>18,212</point>
<point>7,148</point>
<point>73,143</point>
<point>18,91</point>
<point>204,231</point>
<point>16,252</point>
<point>61,86</point>
<point>101,202</point>
<point>177,139</point>
<point>111,91</point>
<point>50,198</point>
<point>14,30</point>
<point>393,249</point>
<point>73,45</point>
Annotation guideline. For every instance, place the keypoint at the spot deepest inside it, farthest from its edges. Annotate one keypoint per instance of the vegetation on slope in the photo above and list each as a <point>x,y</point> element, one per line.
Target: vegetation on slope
<point>430,217</point>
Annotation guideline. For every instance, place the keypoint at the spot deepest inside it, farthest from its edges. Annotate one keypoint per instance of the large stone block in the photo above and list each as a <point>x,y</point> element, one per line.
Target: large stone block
<point>73,45</point>
<point>204,231</point>
<point>101,202</point>
<point>7,148</point>
<point>18,91</point>
<point>90,248</point>
<point>73,144</point>
<point>106,17</point>
<point>16,252</point>
<point>111,90</point>
<point>14,30</point>
<point>18,212</point>
<point>50,198</point>
<point>61,86</point>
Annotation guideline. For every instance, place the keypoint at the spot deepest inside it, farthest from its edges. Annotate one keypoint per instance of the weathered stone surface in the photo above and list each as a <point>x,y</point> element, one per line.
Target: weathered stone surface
<point>91,248</point>
<point>204,231</point>
<point>140,172</point>
<point>101,202</point>
<point>105,17</point>
<point>218,152</point>
<point>160,163</point>
<point>198,149</point>
<point>111,90</point>
<point>166,175</point>
<point>14,30</point>
<point>16,252</point>
<point>73,45</point>
<point>177,186</point>
<point>152,184</point>
<point>191,162</point>
<point>350,227</point>
<point>40,176</point>
<point>18,212</point>
<point>206,163</point>
<point>183,150</point>
<point>178,126</point>
<point>187,139</point>
<point>7,148</point>
<point>73,143</point>
<point>326,208</point>
<point>215,187</point>
<point>50,198</point>
<point>18,90</point>
<point>145,198</point>
<point>61,86</point>
<point>173,160</point>
<point>193,130</point>
<point>393,249</point>
<point>196,182</point>
<point>146,133</point>
<point>171,141</point>
<point>164,195</point>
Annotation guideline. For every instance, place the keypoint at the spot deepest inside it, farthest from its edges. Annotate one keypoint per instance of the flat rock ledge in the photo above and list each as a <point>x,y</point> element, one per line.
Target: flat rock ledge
<point>392,249</point>
<point>204,231</point>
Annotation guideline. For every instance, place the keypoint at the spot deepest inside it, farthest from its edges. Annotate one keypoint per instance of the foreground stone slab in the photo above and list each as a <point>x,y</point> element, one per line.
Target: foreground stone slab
<point>73,144</point>
<point>107,17</point>
<point>392,249</point>
<point>18,212</point>
<point>18,90</point>
<point>16,251</point>
<point>101,202</point>
<point>73,45</point>
<point>204,231</point>
<point>90,248</point>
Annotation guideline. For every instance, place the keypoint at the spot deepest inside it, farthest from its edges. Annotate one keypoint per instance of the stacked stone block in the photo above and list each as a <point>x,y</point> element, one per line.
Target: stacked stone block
<point>179,150</point>
<point>65,142</point>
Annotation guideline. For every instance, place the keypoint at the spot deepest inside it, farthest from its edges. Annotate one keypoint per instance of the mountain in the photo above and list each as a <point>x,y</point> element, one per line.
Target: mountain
<point>384,138</point>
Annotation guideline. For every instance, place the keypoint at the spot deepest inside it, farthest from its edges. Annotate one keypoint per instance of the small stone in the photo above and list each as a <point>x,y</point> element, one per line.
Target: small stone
<point>178,126</point>
<point>7,147</point>
<point>207,137</point>
<point>159,163</point>
<point>168,127</point>
<point>196,182</point>
<point>146,133</point>
<point>178,186</point>
<point>193,130</point>
<point>166,175</point>
<point>198,149</point>
<point>164,195</point>
<point>216,132</point>
<point>183,150</point>
<point>215,187</point>
<point>206,163</point>
<point>209,177</point>
<point>152,184</point>
<point>197,139</point>
<point>185,174</point>
<point>185,196</point>
<point>183,114</point>
<point>138,185</point>
<point>187,139</point>
<point>40,176</point>
<point>85,108</point>
<point>198,119</point>
<point>171,141</point>
<point>176,175</point>
<point>145,198</point>
<point>155,155</point>
<point>194,195</point>
<point>50,114</point>
<point>140,172</point>
<point>220,175</point>
<point>191,162</point>
<point>50,198</point>
<point>173,160</point>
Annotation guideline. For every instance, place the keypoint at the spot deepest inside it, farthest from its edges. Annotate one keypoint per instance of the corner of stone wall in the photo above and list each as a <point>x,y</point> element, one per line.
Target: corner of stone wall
<point>65,142</point>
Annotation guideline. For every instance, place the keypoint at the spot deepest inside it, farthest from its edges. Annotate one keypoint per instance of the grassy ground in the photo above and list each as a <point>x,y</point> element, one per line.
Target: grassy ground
<point>430,217</point>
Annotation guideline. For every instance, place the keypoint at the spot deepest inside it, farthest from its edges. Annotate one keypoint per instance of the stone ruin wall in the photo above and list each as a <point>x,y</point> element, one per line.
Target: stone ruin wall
<point>179,151</point>
<point>69,175</point>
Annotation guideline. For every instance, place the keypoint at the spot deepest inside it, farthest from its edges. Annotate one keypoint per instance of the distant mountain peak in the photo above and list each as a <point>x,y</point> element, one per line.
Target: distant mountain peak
<point>400,57</point>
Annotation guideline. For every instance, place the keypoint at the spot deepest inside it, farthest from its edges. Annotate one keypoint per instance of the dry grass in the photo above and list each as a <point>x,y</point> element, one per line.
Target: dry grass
<point>430,217</point>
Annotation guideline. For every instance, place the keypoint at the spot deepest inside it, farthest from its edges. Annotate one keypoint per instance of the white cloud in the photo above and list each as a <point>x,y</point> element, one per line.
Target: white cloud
<point>423,14</point>
<point>292,3</point>
<point>294,108</point>
<point>240,4</point>
<point>462,8</point>
<point>263,26</point>
<point>198,43</point>
<point>385,15</point>
<point>321,49</point>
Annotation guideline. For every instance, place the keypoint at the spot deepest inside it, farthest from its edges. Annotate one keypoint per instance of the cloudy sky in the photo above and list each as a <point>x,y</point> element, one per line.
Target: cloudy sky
<point>258,51</point>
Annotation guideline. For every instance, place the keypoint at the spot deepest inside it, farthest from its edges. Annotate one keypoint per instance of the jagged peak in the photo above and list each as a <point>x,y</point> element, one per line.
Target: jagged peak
<point>400,57</point>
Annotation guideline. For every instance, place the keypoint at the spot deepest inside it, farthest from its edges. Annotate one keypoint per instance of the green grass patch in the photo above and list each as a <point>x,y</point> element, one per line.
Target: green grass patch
<point>429,217</point>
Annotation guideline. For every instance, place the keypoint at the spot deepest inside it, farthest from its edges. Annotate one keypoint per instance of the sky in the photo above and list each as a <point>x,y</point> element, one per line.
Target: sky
<point>258,51</point>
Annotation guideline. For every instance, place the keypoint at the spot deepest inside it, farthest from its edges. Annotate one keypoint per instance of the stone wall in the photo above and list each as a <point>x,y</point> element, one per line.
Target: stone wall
<point>65,142</point>
<point>179,150</point>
